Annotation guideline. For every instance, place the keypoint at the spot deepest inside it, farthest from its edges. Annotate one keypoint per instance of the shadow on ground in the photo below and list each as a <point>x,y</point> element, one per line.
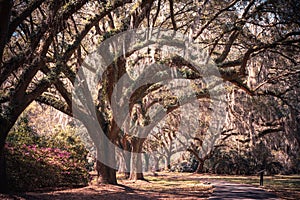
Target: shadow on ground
<point>110,192</point>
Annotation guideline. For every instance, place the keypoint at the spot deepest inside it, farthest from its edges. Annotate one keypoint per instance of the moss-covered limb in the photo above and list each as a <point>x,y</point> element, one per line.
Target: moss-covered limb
<point>26,78</point>
<point>54,102</point>
<point>60,86</point>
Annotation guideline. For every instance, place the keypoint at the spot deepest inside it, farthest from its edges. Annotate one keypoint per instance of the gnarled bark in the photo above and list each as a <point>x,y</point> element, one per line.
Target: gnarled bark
<point>106,174</point>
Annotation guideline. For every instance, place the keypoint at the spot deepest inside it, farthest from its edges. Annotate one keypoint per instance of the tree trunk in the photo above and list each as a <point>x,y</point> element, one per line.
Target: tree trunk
<point>156,163</point>
<point>136,172</point>
<point>200,167</point>
<point>146,156</point>
<point>127,158</point>
<point>3,176</point>
<point>107,170</point>
<point>6,125</point>
<point>168,162</point>
<point>124,164</point>
<point>106,175</point>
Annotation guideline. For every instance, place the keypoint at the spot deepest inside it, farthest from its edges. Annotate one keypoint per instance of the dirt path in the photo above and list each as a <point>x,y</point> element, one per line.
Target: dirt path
<point>226,190</point>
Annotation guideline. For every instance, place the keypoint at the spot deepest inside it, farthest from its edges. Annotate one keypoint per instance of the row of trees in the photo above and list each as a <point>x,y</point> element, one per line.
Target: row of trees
<point>254,44</point>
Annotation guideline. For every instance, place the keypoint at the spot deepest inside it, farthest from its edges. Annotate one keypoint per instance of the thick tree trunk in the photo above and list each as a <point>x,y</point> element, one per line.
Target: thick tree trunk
<point>3,176</point>
<point>106,163</point>
<point>136,175</point>
<point>127,157</point>
<point>136,172</point>
<point>106,175</point>
<point>200,167</point>
<point>124,164</point>
<point>121,163</point>
<point>6,125</point>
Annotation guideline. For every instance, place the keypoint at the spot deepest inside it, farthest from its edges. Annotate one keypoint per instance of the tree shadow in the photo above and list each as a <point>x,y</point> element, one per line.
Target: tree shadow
<point>107,192</point>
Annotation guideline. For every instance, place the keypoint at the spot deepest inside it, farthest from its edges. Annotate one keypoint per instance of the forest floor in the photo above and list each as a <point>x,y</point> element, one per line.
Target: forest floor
<point>160,186</point>
<point>163,186</point>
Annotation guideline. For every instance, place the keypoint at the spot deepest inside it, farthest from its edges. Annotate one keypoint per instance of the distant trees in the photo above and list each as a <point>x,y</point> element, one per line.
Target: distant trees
<point>164,143</point>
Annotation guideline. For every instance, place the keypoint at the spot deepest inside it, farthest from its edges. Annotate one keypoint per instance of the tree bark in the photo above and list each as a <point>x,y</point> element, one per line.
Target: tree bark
<point>200,167</point>
<point>106,174</point>
<point>3,134</point>
<point>156,163</point>
<point>107,170</point>
<point>146,156</point>
<point>106,153</point>
<point>168,162</point>
<point>124,164</point>
<point>5,13</point>
<point>6,124</point>
<point>127,159</point>
<point>3,175</point>
<point>136,172</point>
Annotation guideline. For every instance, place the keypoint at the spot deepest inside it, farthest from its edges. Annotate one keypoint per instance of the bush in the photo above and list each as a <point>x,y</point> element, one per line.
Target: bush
<point>35,162</point>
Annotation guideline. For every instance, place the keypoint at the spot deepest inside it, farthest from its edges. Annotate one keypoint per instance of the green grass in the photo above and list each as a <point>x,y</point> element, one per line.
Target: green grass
<point>166,181</point>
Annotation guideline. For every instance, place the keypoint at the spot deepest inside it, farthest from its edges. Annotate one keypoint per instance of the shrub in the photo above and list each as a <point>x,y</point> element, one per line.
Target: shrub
<point>35,162</point>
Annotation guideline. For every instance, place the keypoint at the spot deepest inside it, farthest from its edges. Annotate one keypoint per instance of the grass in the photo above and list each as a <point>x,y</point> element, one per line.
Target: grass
<point>168,181</point>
